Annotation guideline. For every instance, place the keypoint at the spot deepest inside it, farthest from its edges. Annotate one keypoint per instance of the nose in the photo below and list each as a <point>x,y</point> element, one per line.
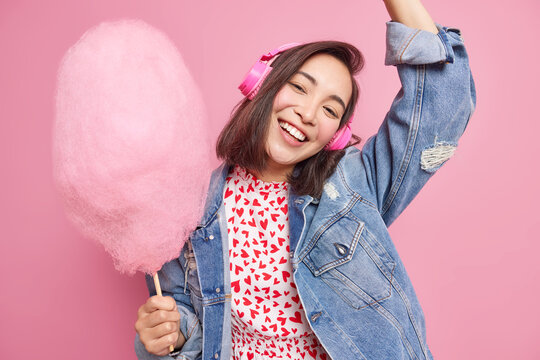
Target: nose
<point>307,113</point>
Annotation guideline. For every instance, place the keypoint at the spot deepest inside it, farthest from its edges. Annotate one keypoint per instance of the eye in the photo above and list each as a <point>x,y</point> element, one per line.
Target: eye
<point>332,112</point>
<point>297,87</point>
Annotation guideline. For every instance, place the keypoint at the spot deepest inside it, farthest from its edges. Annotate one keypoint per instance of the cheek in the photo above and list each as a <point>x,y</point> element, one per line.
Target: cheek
<point>327,129</point>
<point>283,99</point>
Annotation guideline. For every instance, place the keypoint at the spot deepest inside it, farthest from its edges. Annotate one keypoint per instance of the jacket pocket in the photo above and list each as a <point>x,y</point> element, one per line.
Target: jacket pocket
<point>350,260</point>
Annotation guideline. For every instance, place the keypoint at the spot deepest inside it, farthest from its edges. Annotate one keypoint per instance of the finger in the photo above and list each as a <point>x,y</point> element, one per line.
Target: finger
<point>157,302</point>
<point>164,329</point>
<point>160,316</point>
<point>161,345</point>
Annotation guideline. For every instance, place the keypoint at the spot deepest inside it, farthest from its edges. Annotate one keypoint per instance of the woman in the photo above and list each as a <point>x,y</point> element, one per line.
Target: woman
<point>292,257</point>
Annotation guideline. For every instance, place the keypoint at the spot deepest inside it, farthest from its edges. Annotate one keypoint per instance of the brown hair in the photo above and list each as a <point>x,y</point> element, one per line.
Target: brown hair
<point>242,140</point>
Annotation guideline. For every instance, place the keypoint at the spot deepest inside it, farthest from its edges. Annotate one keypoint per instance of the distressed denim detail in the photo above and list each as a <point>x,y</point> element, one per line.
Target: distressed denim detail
<point>434,156</point>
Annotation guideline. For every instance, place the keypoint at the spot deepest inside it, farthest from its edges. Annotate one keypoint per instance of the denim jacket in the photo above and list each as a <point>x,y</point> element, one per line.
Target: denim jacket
<point>354,289</point>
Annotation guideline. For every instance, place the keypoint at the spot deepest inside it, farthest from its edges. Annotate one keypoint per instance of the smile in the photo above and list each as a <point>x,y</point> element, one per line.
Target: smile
<point>294,132</point>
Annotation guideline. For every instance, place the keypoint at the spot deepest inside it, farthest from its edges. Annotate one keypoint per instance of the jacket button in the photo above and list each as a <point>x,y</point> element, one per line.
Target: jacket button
<point>342,250</point>
<point>218,290</point>
<point>216,356</point>
<point>211,237</point>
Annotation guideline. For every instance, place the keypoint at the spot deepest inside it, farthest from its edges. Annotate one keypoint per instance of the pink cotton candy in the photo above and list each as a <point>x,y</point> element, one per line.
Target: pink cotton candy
<point>130,149</point>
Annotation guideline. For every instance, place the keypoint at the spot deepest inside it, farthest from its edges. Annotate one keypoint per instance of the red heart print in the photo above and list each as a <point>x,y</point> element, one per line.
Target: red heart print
<point>228,192</point>
<point>238,269</point>
<point>236,286</point>
<point>266,276</point>
<point>286,275</point>
<point>297,318</point>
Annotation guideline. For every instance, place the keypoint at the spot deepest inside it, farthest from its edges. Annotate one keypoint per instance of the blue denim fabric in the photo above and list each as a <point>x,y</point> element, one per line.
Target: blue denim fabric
<point>352,283</point>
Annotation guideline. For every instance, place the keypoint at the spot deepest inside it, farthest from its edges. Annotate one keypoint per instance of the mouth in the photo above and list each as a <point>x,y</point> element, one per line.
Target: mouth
<point>292,131</point>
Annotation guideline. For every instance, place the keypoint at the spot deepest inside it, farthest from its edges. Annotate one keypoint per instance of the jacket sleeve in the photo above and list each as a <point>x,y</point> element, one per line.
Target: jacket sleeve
<point>172,280</point>
<point>427,117</point>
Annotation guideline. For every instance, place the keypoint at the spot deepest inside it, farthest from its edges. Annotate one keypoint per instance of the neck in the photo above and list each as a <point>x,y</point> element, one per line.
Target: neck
<point>274,172</point>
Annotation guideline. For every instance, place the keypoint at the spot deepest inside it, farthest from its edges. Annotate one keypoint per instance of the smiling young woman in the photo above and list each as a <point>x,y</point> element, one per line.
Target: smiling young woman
<point>292,257</point>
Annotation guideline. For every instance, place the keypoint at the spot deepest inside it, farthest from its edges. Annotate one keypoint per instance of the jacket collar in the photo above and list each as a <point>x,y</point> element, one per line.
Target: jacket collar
<point>214,196</point>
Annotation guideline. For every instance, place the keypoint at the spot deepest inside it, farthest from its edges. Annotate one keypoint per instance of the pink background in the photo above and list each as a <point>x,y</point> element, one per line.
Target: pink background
<point>469,240</point>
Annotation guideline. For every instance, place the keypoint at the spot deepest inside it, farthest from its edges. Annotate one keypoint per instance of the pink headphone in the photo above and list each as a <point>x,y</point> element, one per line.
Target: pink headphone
<point>258,73</point>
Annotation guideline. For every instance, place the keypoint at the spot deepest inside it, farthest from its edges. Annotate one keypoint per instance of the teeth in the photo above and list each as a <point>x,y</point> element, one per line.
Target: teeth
<point>292,130</point>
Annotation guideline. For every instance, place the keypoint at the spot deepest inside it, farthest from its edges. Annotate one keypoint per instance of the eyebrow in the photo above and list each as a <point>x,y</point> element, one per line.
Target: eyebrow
<point>314,82</point>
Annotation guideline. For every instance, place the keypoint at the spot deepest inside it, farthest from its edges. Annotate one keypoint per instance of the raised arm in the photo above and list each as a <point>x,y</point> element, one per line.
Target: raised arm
<point>428,115</point>
<point>410,13</point>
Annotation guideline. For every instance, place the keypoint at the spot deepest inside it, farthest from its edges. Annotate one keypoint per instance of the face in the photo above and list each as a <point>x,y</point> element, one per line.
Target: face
<point>307,111</point>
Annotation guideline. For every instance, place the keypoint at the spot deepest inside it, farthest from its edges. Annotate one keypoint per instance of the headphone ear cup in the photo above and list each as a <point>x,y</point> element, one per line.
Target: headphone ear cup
<point>254,79</point>
<point>341,138</point>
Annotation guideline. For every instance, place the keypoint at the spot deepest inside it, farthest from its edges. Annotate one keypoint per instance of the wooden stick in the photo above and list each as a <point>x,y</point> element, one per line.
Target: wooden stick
<point>158,291</point>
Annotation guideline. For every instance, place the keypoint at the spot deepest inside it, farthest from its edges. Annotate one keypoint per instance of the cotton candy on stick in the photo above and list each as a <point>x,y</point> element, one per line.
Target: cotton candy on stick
<point>130,149</point>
